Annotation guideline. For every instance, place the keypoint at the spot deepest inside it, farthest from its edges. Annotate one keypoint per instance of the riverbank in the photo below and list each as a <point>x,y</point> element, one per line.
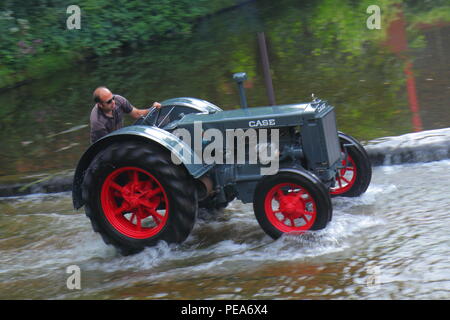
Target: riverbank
<point>425,146</point>
<point>39,41</point>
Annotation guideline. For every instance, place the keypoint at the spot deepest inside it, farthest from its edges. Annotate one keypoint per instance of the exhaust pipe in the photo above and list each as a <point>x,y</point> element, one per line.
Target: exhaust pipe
<point>240,78</point>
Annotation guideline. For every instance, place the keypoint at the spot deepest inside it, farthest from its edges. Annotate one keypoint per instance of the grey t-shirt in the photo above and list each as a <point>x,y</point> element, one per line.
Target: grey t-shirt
<point>102,124</point>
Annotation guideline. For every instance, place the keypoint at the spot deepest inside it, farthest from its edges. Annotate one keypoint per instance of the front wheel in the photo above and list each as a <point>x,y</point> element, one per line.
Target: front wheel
<point>354,177</point>
<point>135,197</point>
<point>291,202</point>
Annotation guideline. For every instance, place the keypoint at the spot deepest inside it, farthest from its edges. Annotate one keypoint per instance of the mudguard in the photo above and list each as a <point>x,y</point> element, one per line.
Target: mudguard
<point>202,106</point>
<point>181,153</point>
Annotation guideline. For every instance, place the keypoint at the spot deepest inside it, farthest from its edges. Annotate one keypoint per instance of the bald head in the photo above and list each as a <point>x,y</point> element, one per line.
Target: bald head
<point>102,94</point>
<point>105,99</point>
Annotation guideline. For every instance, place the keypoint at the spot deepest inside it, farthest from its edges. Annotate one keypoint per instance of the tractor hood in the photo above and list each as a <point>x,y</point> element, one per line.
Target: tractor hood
<point>259,117</point>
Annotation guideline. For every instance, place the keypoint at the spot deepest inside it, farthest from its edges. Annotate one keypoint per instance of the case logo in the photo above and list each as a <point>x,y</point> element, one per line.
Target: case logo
<point>261,123</point>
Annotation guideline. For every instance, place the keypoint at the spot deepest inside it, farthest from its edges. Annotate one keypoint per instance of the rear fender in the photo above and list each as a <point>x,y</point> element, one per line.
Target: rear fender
<point>180,151</point>
<point>202,106</point>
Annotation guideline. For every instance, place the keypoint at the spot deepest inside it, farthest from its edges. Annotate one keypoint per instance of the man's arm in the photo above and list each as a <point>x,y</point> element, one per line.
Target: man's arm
<point>138,113</point>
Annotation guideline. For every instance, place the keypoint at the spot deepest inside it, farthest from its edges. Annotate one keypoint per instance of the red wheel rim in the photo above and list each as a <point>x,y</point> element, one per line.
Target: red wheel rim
<point>290,208</point>
<point>345,177</point>
<point>134,202</point>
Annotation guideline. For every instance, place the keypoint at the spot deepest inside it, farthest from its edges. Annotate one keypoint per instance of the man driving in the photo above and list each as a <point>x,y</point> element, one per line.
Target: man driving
<point>107,113</point>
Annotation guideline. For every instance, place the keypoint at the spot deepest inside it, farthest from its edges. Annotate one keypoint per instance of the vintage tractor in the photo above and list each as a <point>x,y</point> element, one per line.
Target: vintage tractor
<point>144,183</point>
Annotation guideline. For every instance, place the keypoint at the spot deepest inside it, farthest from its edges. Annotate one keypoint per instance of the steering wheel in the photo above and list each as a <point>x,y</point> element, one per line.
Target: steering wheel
<point>158,113</point>
<point>141,120</point>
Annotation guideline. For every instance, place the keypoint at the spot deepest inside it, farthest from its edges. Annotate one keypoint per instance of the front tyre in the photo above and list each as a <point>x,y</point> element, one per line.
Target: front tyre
<point>291,202</point>
<point>135,197</point>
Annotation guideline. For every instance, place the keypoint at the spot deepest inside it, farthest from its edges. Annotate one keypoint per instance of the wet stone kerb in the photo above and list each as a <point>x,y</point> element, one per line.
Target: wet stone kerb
<point>425,146</point>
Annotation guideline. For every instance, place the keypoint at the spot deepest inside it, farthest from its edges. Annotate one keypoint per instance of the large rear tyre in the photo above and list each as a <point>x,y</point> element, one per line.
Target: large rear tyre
<point>135,197</point>
<point>354,178</point>
<point>292,202</point>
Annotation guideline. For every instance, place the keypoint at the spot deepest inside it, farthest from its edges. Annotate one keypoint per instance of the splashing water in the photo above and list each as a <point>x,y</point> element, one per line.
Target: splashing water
<point>391,242</point>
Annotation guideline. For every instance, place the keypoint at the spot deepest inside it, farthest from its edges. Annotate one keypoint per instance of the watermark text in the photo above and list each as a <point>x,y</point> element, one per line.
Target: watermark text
<point>74,280</point>
<point>73,22</point>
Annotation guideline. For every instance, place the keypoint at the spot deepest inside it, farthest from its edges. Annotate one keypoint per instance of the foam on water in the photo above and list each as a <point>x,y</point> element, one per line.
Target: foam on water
<point>226,255</point>
<point>82,246</point>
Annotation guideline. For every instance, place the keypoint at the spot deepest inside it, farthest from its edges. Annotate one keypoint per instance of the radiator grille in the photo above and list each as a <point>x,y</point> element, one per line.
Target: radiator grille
<point>331,137</point>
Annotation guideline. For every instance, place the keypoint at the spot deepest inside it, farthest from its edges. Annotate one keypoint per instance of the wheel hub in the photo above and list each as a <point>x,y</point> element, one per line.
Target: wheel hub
<point>131,196</point>
<point>292,206</point>
<point>135,196</point>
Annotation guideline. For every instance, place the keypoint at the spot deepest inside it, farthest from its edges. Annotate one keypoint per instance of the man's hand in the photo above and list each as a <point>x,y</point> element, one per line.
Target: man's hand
<point>156,105</point>
<point>138,113</point>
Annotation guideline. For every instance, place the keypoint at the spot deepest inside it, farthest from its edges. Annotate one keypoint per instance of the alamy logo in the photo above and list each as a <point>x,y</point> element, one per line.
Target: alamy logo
<point>234,146</point>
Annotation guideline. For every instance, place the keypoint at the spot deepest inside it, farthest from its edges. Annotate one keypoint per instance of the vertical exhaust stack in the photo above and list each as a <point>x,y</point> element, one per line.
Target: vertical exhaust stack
<point>240,78</point>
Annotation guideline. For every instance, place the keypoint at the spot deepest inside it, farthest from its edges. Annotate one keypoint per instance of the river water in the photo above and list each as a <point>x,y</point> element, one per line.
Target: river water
<point>390,243</point>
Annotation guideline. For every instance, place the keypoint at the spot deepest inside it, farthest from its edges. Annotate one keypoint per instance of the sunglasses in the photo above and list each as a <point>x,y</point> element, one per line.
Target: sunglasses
<point>110,100</point>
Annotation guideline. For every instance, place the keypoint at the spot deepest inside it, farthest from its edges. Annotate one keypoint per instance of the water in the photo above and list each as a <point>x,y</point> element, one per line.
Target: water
<point>390,243</point>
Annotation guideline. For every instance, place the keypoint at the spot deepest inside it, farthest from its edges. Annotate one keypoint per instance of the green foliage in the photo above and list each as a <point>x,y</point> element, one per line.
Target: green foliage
<point>33,31</point>
<point>433,15</point>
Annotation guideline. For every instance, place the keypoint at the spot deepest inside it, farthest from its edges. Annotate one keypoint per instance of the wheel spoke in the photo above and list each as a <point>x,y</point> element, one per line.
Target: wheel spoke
<point>133,175</point>
<point>156,216</point>
<point>292,222</point>
<point>280,194</point>
<point>116,187</point>
<point>138,223</point>
<point>343,178</point>
<point>151,193</point>
<point>121,209</point>
<point>145,203</point>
